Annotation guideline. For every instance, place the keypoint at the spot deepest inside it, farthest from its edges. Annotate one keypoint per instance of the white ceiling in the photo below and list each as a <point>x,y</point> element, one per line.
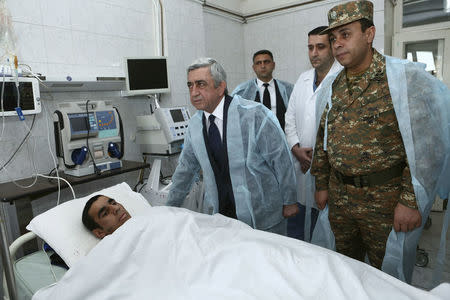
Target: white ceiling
<point>248,7</point>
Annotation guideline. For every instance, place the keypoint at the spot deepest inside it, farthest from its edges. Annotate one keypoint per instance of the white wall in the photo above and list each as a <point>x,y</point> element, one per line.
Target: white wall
<point>254,6</point>
<point>81,38</point>
<point>286,35</point>
<point>224,41</point>
<point>185,26</point>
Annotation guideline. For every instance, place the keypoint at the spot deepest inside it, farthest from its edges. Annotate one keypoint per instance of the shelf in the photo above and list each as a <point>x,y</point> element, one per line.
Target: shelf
<point>44,186</point>
<point>101,84</point>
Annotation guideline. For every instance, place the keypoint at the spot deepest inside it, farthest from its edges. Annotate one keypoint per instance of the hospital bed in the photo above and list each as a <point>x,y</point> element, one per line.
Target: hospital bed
<point>32,271</point>
<point>171,253</point>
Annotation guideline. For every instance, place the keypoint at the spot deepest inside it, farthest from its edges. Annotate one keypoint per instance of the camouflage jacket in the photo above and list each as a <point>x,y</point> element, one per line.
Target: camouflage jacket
<point>363,132</point>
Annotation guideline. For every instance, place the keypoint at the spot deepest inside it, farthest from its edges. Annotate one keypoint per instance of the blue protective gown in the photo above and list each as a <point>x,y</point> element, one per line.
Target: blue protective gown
<point>422,106</point>
<point>260,163</point>
<point>248,90</point>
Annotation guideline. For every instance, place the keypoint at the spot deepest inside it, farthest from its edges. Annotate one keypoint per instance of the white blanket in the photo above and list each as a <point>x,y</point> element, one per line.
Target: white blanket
<point>172,253</point>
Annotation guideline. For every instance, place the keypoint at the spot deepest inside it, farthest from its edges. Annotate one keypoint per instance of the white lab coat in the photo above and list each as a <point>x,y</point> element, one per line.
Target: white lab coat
<point>300,127</point>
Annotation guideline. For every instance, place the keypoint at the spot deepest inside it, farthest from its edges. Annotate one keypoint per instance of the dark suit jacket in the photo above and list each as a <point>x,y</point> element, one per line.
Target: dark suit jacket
<point>219,164</point>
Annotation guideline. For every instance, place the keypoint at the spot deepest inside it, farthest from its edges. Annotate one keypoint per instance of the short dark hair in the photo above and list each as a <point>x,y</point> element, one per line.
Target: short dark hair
<point>88,221</point>
<point>365,23</point>
<point>317,30</point>
<point>262,52</point>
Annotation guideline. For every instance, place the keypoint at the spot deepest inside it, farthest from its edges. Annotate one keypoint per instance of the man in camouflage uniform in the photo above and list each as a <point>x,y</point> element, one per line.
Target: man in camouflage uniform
<point>364,173</point>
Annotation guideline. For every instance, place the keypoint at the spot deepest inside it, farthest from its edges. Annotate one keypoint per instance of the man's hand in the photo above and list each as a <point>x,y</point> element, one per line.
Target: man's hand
<point>321,199</point>
<point>304,156</point>
<point>290,210</point>
<point>406,219</point>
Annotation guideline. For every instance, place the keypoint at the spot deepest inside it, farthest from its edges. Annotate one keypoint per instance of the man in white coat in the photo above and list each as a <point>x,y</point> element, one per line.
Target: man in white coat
<point>300,129</point>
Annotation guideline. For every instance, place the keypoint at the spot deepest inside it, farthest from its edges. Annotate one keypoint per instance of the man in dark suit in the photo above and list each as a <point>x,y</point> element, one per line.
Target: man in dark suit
<point>247,167</point>
<point>271,92</point>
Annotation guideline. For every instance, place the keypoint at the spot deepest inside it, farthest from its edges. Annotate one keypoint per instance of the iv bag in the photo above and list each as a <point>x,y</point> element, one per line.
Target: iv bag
<point>7,43</point>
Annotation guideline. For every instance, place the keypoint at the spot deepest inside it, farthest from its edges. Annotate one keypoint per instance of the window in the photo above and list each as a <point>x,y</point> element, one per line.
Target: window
<point>427,52</point>
<point>421,12</point>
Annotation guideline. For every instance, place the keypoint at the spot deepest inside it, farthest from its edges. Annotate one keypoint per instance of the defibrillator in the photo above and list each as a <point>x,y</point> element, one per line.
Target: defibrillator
<point>88,137</point>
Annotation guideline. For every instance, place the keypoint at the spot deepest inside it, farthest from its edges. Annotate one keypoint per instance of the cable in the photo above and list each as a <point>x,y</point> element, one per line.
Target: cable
<point>3,110</point>
<point>18,93</point>
<point>137,184</point>
<point>53,156</point>
<point>16,77</point>
<point>49,262</point>
<point>14,181</point>
<point>20,145</point>
<point>122,138</point>
<point>51,172</point>
<point>88,126</point>
<point>142,187</point>
<point>59,178</point>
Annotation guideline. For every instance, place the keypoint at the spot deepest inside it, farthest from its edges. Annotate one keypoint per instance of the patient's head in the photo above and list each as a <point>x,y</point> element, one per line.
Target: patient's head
<point>103,215</point>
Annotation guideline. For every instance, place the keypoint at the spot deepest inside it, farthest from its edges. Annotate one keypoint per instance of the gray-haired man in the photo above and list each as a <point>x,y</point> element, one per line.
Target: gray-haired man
<point>238,144</point>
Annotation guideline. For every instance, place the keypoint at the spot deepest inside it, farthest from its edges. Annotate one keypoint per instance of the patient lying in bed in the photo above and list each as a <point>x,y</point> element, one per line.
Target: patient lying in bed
<point>173,253</point>
<point>103,215</point>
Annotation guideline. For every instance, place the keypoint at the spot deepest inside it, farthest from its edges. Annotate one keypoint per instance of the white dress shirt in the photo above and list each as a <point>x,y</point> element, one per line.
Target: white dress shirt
<point>273,94</point>
<point>218,113</point>
<point>300,127</point>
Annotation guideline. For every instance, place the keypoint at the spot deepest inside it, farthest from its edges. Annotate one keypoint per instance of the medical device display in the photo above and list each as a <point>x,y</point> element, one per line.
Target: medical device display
<point>29,96</point>
<point>88,137</point>
<point>146,75</point>
<point>162,132</point>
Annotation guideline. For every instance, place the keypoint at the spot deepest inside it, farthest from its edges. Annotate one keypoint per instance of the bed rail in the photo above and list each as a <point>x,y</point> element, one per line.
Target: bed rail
<point>13,248</point>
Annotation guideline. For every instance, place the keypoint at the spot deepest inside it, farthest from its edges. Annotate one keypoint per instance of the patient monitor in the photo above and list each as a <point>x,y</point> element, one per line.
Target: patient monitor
<point>29,97</point>
<point>88,137</point>
<point>163,131</point>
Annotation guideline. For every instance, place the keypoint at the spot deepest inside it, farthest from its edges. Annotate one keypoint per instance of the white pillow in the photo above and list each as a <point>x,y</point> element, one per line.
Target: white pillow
<point>61,227</point>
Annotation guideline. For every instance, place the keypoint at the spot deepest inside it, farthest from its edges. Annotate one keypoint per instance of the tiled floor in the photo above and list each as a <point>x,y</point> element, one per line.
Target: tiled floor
<point>422,277</point>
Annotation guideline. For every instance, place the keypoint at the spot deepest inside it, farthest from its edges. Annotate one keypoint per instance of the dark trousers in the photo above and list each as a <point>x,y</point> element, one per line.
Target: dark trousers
<point>296,225</point>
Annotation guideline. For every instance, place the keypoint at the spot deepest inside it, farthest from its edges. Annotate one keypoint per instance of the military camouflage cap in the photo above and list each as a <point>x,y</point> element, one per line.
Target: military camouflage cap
<point>349,12</point>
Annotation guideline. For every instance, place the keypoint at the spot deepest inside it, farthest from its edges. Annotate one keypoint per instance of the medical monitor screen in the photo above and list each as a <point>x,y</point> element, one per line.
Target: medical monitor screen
<point>79,122</point>
<point>177,115</point>
<point>10,96</point>
<point>147,75</point>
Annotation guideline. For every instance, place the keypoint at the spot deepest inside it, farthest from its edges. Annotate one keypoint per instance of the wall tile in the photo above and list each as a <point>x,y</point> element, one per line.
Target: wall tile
<point>106,50</point>
<point>58,44</point>
<point>59,71</point>
<point>83,15</point>
<point>29,13</point>
<point>29,42</point>
<point>56,13</point>
<point>84,48</point>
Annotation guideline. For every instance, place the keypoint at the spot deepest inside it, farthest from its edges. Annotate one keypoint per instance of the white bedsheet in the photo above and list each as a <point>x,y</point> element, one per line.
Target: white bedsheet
<point>172,253</point>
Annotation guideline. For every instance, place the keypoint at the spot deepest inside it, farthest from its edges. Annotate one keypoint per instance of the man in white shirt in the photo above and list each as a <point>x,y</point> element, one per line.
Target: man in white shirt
<point>300,128</point>
<point>273,93</point>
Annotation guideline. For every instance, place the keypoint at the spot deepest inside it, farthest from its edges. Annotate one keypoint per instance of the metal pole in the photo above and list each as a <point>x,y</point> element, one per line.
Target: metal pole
<point>6,259</point>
